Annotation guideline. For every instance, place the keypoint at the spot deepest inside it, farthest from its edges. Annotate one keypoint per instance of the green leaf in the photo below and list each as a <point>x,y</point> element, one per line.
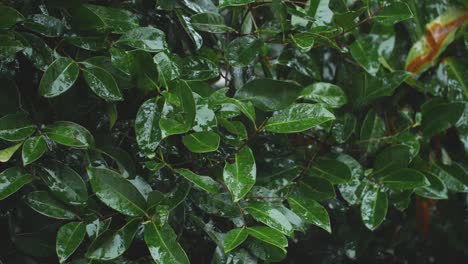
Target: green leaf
<point>10,46</point>
<point>64,183</point>
<point>298,117</point>
<point>36,50</point>
<point>178,119</point>
<point>197,69</point>
<point>162,244</point>
<point>48,26</point>
<point>309,209</point>
<point>243,51</point>
<point>435,190</point>
<point>6,154</point>
<point>269,95</point>
<point>69,238</point>
<point>148,134</point>
<point>145,38</point>
<point>69,134</point>
<point>454,176</point>
<point>270,216</point>
<point>246,108</point>
<point>403,179</point>
<point>304,40</point>
<point>373,128</point>
<point>111,245</point>
<point>101,82</point>
<point>116,192</point>
<point>123,159</point>
<point>333,170</point>
<point>186,23</point>
<point>234,238</point>
<point>210,22</point>
<point>438,115</point>
<point>268,235</point>
<point>205,117</point>
<point>202,142</point>
<point>97,227</point>
<point>226,3</point>
<point>240,176</point>
<point>167,68</point>
<point>390,159</point>
<point>203,182</point>
<point>33,149</point>
<point>16,127</point>
<point>9,17</point>
<point>374,87</point>
<point>91,43</point>
<point>96,17</point>
<point>374,207</point>
<point>43,203</point>
<point>326,93</point>
<point>11,180</point>
<point>395,12</point>
<point>366,54</point>
<point>315,188</point>
<point>59,77</point>
<point>344,127</point>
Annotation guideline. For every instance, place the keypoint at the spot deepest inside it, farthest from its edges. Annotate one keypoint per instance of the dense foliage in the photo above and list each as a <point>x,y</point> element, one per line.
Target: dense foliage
<point>233,131</point>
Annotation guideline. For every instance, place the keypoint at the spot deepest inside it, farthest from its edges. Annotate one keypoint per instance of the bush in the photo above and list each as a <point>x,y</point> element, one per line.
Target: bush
<point>233,131</point>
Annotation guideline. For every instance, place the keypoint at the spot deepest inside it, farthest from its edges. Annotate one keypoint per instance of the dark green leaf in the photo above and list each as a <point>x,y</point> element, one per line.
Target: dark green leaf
<point>59,77</point>
<point>203,182</point>
<point>439,115</point>
<point>332,170</point>
<point>240,176</point>
<point>243,51</point>
<point>372,130</point>
<point>48,26</point>
<point>95,17</point>
<point>64,183</point>
<point>268,235</point>
<point>70,134</point>
<point>117,192</point>
<point>101,82</point>
<point>315,188</point>
<point>226,3</point>
<point>365,53</point>
<point>313,212</point>
<point>111,245</point>
<point>390,159</point>
<point>403,179</point>
<point>43,203</point>
<point>269,95</point>
<point>326,93</point>
<point>393,13</point>
<point>162,244</point>
<point>9,17</point>
<point>234,238</point>
<point>435,190</point>
<point>145,38</point>
<point>11,180</point>
<point>69,238</point>
<point>374,207</point>
<point>202,142</point>
<point>148,134</point>
<point>178,119</point>
<point>16,127</point>
<point>270,216</point>
<point>298,118</point>
<point>210,22</point>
